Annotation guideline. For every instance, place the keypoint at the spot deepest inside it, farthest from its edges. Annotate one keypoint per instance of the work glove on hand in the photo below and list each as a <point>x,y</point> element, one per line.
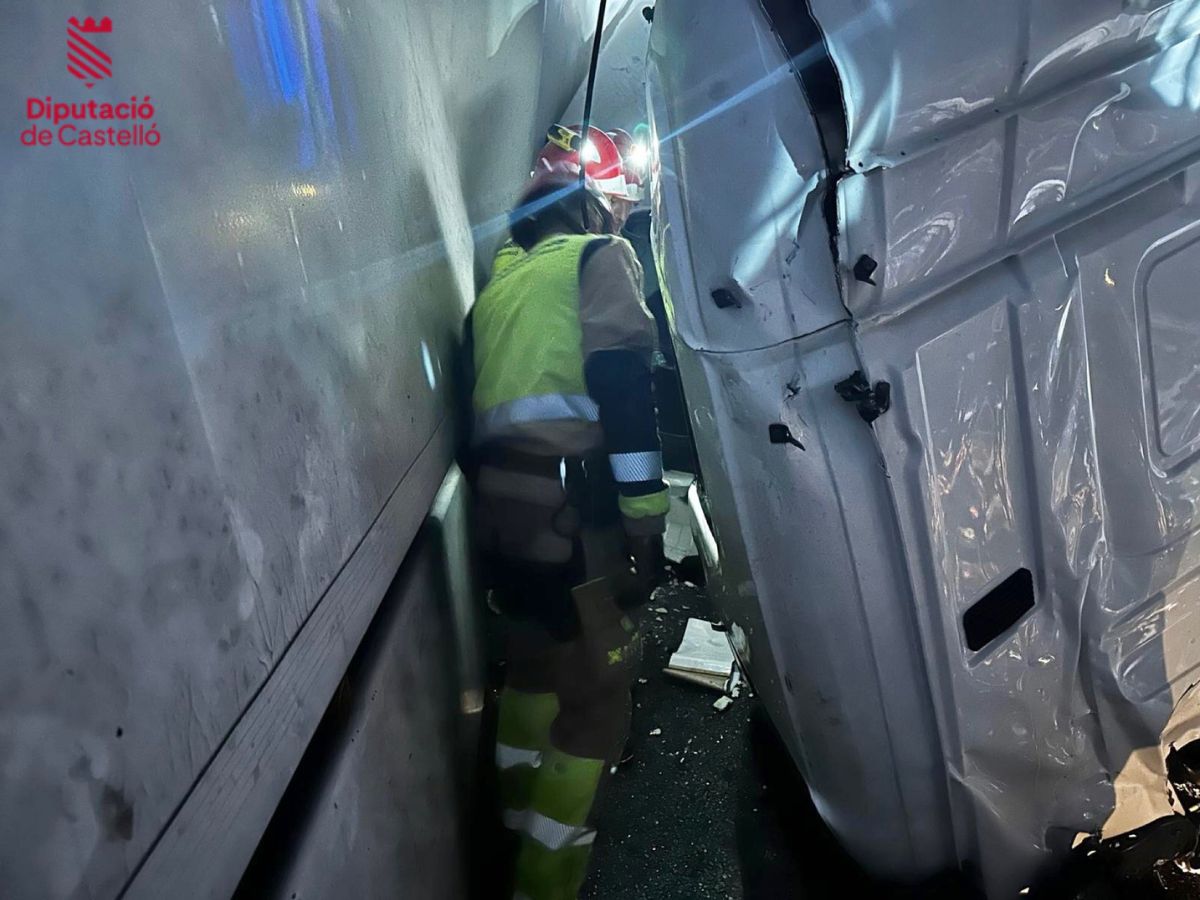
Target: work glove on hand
<point>649,568</point>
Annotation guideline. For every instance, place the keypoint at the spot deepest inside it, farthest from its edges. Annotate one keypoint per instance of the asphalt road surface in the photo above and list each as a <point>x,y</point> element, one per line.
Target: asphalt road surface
<point>668,818</point>
<point>710,807</point>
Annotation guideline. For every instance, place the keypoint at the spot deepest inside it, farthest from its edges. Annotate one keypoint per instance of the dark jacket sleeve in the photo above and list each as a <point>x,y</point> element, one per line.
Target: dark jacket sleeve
<point>618,338</point>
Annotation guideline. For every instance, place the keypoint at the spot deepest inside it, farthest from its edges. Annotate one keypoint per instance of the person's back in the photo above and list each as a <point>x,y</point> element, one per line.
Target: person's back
<point>568,484</point>
<point>530,390</point>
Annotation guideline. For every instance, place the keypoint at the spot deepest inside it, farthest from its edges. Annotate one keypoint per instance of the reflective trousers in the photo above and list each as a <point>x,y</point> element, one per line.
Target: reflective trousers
<point>563,722</point>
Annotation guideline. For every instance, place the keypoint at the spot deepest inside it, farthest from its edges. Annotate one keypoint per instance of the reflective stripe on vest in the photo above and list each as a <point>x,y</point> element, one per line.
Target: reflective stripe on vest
<point>632,467</point>
<point>503,417</point>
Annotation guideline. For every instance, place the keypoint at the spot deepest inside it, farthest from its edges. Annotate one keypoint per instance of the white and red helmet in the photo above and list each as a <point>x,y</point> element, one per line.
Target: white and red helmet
<point>633,164</point>
<point>601,159</point>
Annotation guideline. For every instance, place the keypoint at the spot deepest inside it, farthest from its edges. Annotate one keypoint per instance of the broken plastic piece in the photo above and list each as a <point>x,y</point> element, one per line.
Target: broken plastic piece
<point>722,703</point>
<point>1135,854</point>
<point>704,650</point>
<point>1183,773</point>
<point>713,682</point>
<point>678,543</point>
<point>704,657</point>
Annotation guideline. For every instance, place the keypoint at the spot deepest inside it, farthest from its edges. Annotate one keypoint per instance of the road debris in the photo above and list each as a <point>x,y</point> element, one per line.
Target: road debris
<point>723,703</point>
<point>712,682</point>
<point>678,543</point>
<point>686,749</point>
<point>704,657</point>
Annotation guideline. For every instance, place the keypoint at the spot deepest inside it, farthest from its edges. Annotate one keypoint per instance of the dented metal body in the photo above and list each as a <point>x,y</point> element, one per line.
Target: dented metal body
<point>1023,177</point>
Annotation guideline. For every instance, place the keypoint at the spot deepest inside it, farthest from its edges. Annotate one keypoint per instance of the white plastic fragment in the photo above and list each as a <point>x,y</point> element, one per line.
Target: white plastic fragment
<point>678,543</point>
<point>704,650</point>
<point>656,732</point>
<point>723,703</point>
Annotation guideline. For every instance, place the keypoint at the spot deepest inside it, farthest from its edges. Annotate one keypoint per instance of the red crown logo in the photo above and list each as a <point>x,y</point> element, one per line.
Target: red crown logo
<point>91,26</point>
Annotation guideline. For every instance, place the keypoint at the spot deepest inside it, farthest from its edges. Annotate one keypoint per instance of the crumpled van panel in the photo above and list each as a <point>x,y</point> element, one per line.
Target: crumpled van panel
<point>810,573</point>
<point>742,162</point>
<point>958,202</point>
<point>1035,228</point>
<point>1023,568</point>
<point>900,96</point>
<point>1022,436</point>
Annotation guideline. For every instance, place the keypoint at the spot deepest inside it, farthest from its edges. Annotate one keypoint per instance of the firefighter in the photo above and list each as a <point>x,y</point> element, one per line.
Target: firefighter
<point>609,161</point>
<point>570,499</point>
<point>633,170</point>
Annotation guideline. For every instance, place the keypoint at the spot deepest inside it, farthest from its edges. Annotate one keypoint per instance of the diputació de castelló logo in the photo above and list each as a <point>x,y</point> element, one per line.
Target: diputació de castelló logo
<point>85,60</point>
<point>79,123</point>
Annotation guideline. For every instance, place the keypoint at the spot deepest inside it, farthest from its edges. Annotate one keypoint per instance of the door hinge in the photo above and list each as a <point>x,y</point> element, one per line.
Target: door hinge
<point>872,402</point>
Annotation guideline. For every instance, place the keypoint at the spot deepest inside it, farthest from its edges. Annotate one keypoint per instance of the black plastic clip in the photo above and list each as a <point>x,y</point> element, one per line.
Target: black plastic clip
<point>781,434</point>
<point>864,269</point>
<point>872,402</point>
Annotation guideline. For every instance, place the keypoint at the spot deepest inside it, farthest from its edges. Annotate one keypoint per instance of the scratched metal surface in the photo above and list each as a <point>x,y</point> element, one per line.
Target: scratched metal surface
<point>374,812</point>
<point>218,357</point>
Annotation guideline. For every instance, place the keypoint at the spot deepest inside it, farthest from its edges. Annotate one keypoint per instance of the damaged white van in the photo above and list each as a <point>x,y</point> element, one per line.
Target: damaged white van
<point>935,275</point>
